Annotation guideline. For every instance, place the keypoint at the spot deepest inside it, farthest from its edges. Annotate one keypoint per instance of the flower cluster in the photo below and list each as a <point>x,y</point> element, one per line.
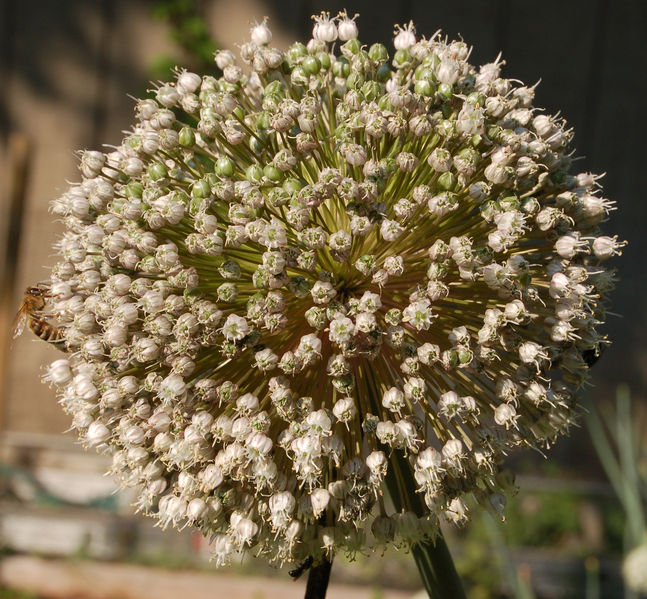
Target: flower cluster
<point>286,275</point>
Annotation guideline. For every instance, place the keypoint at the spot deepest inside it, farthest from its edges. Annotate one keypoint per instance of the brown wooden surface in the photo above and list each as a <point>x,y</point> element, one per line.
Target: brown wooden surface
<point>67,66</point>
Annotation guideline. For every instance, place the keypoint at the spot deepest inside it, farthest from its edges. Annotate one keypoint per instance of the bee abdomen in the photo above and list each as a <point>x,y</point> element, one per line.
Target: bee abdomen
<point>46,331</point>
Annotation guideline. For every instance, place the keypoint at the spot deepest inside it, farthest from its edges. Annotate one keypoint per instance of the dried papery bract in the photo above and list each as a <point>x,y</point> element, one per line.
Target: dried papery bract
<point>324,268</point>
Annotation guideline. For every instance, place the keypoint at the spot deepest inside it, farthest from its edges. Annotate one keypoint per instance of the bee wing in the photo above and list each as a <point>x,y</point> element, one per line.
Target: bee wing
<point>18,324</point>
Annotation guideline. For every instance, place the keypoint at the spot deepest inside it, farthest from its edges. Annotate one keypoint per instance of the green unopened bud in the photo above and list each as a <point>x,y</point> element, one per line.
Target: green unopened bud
<point>384,103</point>
<point>383,73</point>
<point>341,67</point>
<point>293,185</point>
<point>186,136</point>
<point>355,80</point>
<point>134,189</point>
<point>401,58</point>
<point>324,60</point>
<point>258,142</point>
<point>424,88</point>
<point>476,99</point>
<point>352,46</point>
<point>446,90</point>
<point>273,173</point>
<point>224,167</point>
<point>263,120</point>
<point>378,53</point>
<point>254,173</point>
<point>371,90</point>
<point>201,189</point>
<point>274,88</point>
<point>311,65</point>
<point>296,52</point>
<point>447,181</point>
<point>157,171</point>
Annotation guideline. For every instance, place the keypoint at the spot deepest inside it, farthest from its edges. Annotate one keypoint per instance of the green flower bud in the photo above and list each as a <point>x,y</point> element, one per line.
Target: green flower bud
<point>324,60</point>
<point>201,189</point>
<point>293,185</point>
<point>341,67</point>
<point>157,171</point>
<point>447,181</point>
<point>401,58</point>
<point>311,65</point>
<point>354,80</point>
<point>446,91</point>
<point>351,47</point>
<point>273,173</point>
<point>134,189</point>
<point>378,53</point>
<point>274,88</point>
<point>254,173</point>
<point>371,90</point>
<point>383,73</point>
<point>186,136</point>
<point>263,120</point>
<point>224,167</point>
<point>424,88</point>
<point>296,52</point>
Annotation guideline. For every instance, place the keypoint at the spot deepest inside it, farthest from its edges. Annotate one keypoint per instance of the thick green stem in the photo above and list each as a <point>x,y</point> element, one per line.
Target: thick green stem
<point>433,559</point>
<point>318,578</point>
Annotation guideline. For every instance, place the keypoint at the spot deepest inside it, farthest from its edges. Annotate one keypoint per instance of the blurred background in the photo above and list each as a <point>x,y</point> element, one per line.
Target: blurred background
<point>66,67</point>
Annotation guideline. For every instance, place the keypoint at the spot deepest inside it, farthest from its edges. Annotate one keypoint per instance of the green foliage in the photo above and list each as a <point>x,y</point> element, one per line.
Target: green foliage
<point>542,519</point>
<point>189,32</point>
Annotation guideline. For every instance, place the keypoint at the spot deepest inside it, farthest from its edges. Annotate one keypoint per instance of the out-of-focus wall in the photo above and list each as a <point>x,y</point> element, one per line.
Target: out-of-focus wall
<point>68,65</point>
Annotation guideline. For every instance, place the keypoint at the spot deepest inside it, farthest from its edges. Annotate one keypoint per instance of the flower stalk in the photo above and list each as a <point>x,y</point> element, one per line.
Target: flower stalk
<point>432,556</point>
<point>318,578</point>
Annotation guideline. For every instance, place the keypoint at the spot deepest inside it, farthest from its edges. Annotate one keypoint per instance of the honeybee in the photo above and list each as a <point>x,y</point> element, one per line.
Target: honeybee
<point>31,314</point>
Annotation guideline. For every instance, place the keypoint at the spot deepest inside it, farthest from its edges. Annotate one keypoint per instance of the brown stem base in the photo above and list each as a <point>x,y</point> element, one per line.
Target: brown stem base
<point>318,578</point>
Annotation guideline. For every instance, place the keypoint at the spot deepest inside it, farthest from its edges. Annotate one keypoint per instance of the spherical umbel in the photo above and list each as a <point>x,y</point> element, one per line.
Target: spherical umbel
<point>285,275</point>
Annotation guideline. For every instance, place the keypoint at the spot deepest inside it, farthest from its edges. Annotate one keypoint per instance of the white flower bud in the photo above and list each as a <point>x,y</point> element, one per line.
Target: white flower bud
<point>393,400</point>
<point>355,155</point>
<point>97,433</point>
<point>506,415</point>
<point>188,82</point>
<point>346,27</point>
<point>320,499</point>
<point>324,29</point>
<point>605,247</point>
<point>390,230</point>
<point>404,37</point>
<point>261,34</point>
<point>172,386</point>
<point>134,435</point>
<point>59,372</point>
<point>345,409</point>
<point>235,328</point>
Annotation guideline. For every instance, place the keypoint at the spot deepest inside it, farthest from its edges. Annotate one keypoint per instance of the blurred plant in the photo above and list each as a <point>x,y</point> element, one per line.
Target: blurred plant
<point>513,576</point>
<point>189,30</point>
<point>488,541</point>
<point>9,593</point>
<point>325,275</point>
<point>621,449</point>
